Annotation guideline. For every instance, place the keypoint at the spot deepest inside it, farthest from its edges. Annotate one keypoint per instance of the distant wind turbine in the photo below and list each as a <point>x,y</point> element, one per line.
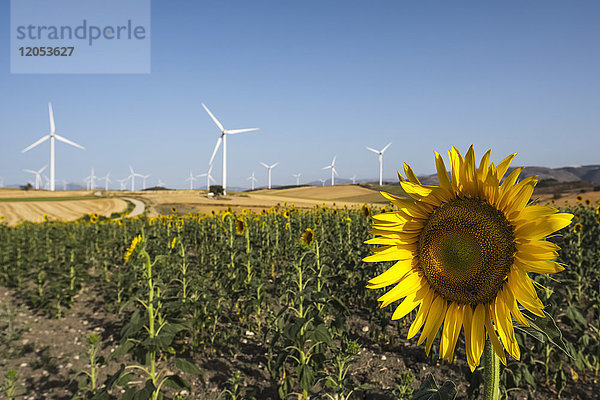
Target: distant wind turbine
<point>191,179</point>
<point>333,171</point>
<point>353,180</point>
<point>38,175</point>
<point>144,177</point>
<point>269,167</point>
<point>208,176</point>
<point>92,182</point>
<point>106,181</point>
<point>223,138</point>
<point>161,183</point>
<point>323,181</point>
<point>52,136</point>
<point>297,176</point>
<point>1,182</point>
<point>123,183</point>
<point>380,152</point>
<point>253,179</point>
<point>132,177</point>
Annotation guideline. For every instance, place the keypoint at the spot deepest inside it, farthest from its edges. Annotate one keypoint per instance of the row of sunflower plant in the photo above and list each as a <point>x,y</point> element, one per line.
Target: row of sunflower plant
<point>193,286</point>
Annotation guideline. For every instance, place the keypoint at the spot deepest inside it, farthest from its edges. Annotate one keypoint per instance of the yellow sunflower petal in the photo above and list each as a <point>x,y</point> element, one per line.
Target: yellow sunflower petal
<point>442,173</point>
<point>452,326</point>
<point>478,333</point>
<point>540,267</point>
<point>468,323</point>
<point>389,253</point>
<point>543,227</point>
<point>503,166</point>
<point>422,313</point>
<point>410,174</point>
<point>392,275</point>
<point>493,336</point>
<point>409,303</point>
<point>410,283</point>
<point>503,322</point>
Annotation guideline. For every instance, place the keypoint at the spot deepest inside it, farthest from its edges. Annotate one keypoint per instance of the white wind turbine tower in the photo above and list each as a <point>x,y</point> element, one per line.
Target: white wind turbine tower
<point>223,138</point>
<point>297,176</point>
<point>91,179</point>
<point>253,179</point>
<point>323,181</point>
<point>208,176</point>
<point>380,152</point>
<point>333,171</point>
<point>106,181</point>
<point>1,182</point>
<point>191,179</point>
<point>123,183</point>
<point>144,177</point>
<point>132,177</point>
<point>353,180</point>
<point>269,167</point>
<point>52,136</point>
<point>38,175</point>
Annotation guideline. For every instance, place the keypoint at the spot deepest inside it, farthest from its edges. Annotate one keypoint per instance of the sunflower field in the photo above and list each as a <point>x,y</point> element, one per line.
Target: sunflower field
<point>270,305</point>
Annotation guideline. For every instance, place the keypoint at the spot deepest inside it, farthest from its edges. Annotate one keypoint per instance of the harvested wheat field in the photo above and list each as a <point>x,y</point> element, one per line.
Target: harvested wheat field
<point>17,205</point>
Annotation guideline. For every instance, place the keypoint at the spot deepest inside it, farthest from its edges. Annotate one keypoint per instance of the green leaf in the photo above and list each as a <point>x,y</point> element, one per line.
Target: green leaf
<point>187,366</point>
<point>306,376</point>
<point>430,391</point>
<point>176,382</point>
<point>122,349</point>
<point>547,327</point>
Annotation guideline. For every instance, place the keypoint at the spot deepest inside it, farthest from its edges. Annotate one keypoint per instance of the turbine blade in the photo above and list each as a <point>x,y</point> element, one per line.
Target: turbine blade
<point>67,141</point>
<point>216,148</point>
<point>327,167</point>
<point>30,171</point>
<point>333,162</point>
<point>36,143</point>
<point>216,121</point>
<point>373,150</point>
<point>42,170</point>
<point>263,164</point>
<point>274,165</point>
<point>335,172</point>
<point>51,118</point>
<point>385,148</point>
<point>234,131</point>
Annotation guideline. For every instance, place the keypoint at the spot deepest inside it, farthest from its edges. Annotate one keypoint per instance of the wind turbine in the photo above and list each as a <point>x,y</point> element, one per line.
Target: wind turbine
<point>208,176</point>
<point>353,180</point>
<point>52,136</point>
<point>1,182</point>
<point>123,183</point>
<point>191,179</point>
<point>333,171</point>
<point>223,138</point>
<point>380,152</point>
<point>132,177</point>
<point>161,183</point>
<point>106,181</point>
<point>297,176</point>
<point>269,167</point>
<point>323,181</point>
<point>38,176</point>
<point>253,179</point>
<point>91,180</point>
<point>144,177</point>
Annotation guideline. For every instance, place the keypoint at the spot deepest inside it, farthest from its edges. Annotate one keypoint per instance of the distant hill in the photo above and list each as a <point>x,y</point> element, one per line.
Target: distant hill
<point>584,173</point>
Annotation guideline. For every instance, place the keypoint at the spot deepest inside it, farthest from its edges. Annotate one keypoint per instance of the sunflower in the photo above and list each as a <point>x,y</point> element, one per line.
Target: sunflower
<point>134,243</point>
<point>240,226</point>
<point>577,227</point>
<point>579,198</point>
<point>463,252</point>
<point>597,209</point>
<point>308,237</point>
<point>94,218</point>
<point>365,211</point>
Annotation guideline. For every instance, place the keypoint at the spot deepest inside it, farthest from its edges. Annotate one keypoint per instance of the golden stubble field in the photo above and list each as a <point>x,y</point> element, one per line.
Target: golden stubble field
<point>17,205</point>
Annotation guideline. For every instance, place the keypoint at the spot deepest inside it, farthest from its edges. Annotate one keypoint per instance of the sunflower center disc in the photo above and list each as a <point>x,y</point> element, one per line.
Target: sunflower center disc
<point>466,249</point>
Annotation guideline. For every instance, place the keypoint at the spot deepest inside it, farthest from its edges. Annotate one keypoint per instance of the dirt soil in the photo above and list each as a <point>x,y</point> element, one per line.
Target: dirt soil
<point>48,353</point>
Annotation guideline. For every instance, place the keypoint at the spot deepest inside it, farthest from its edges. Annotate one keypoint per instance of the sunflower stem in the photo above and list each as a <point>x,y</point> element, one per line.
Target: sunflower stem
<point>491,372</point>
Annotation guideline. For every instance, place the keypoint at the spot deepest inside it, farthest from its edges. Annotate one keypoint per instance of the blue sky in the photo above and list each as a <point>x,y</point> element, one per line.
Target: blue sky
<point>320,78</point>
